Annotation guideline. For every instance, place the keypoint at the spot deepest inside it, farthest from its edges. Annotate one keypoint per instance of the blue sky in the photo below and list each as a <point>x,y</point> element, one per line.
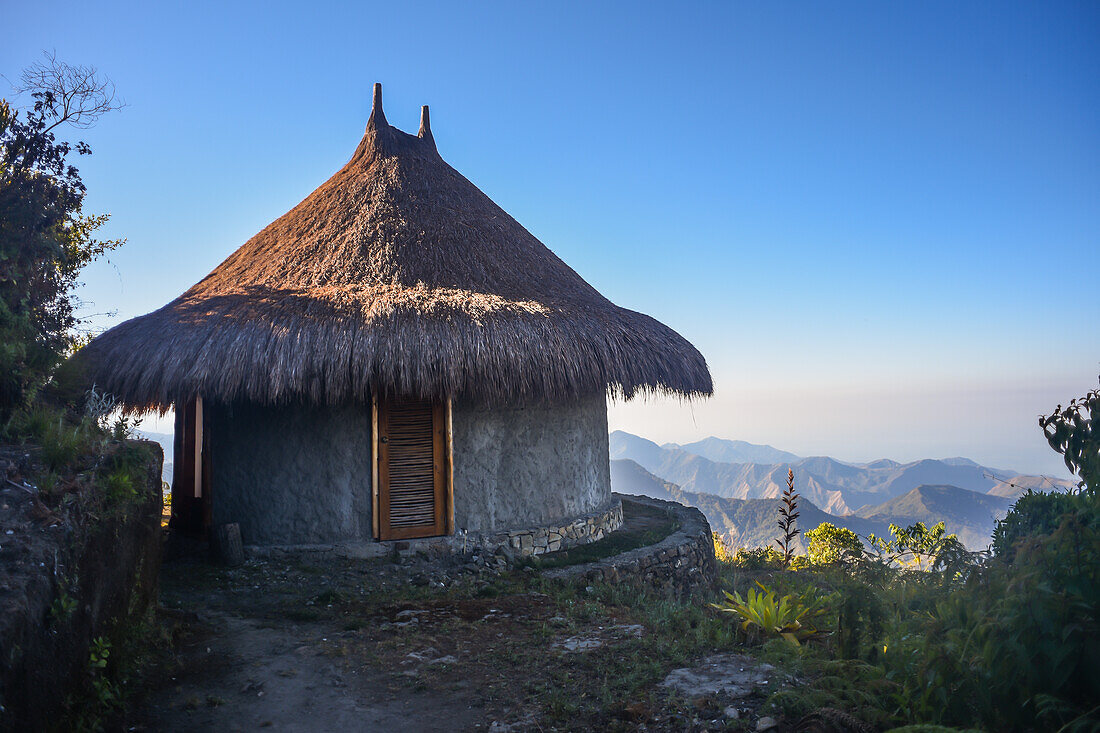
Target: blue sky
<point>880,222</point>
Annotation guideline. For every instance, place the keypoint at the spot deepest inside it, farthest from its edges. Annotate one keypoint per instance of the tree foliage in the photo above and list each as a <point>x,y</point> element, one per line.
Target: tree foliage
<point>1073,432</point>
<point>46,239</point>
<point>918,546</point>
<point>830,544</point>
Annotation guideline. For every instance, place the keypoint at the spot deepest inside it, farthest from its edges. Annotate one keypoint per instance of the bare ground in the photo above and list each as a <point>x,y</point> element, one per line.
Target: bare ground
<point>326,644</point>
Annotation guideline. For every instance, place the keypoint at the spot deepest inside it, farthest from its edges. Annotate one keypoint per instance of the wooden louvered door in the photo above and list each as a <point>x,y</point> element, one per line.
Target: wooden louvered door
<point>411,470</point>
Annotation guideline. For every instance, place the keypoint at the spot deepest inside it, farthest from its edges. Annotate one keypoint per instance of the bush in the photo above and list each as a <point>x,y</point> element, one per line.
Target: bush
<point>1034,514</point>
<point>760,558</point>
<point>789,617</point>
<point>721,549</point>
<point>830,544</point>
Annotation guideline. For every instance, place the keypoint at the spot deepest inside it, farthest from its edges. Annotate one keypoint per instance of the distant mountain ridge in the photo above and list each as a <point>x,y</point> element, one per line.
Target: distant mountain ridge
<point>752,522</point>
<point>166,444</point>
<point>720,450</point>
<point>968,514</point>
<point>835,486</point>
<point>740,522</point>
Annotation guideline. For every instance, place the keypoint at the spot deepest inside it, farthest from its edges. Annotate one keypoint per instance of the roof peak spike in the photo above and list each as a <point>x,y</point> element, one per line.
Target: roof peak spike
<point>425,125</point>
<point>377,116</point>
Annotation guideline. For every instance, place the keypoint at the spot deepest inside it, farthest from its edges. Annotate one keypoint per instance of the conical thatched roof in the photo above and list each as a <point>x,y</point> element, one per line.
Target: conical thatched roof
<point>396,275</point>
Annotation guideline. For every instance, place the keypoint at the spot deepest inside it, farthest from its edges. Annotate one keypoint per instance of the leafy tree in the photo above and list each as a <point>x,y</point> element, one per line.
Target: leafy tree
<point>918,546</point>
<point>1073,432</point>
<point>1034,514</point>
<point>46,239</point>
<point>830,544</point>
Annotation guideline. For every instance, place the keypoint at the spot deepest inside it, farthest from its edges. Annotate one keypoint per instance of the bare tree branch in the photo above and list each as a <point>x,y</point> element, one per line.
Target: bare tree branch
<point>78,95</point>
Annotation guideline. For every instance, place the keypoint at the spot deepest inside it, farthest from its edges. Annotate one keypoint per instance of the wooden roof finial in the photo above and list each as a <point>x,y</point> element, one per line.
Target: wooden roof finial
<point>425,125</point>
<point>377,117</point>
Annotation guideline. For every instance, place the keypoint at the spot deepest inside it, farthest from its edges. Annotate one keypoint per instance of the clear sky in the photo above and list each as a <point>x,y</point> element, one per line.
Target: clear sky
<point>880,222</point>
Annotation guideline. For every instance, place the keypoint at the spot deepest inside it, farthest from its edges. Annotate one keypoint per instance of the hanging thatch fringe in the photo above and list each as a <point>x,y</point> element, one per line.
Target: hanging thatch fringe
<point>397,275</point>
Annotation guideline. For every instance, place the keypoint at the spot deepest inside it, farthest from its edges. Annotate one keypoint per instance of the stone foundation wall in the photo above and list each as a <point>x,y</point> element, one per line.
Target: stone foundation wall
<point>680,564</point>
<point>522,542</point>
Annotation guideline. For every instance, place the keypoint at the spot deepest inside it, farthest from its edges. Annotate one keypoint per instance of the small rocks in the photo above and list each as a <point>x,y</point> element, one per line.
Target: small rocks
<point>580,643</point>
<point>766,723</point>
<point>732,675</point>
<point>430,657</point>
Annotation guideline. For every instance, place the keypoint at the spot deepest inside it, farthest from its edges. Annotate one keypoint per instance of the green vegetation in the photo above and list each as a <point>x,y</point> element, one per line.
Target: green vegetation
<point>769,614</point>
<point>1073,432</point>
<point>918,546</point>
<point>830,544</point>
<point>1007,640</point>
<point>46,239</point>
<point>722,552</point>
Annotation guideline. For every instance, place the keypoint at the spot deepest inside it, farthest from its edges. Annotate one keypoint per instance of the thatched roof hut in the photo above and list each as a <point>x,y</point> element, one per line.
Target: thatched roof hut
<point>396,324</point>
<point>396,275</point>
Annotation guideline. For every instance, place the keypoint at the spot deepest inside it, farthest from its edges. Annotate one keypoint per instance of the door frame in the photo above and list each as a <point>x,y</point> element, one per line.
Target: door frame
<point>443,432</point>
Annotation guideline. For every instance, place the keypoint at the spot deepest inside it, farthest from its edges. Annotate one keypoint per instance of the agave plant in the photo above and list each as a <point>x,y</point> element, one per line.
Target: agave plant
<point>786,616</point>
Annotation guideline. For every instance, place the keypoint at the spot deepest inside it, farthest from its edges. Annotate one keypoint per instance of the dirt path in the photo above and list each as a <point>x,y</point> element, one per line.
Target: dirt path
<point>326,644</point>
<point>240,674</point>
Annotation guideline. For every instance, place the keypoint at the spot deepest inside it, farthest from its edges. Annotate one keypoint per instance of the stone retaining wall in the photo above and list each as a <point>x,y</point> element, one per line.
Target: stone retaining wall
<point>680,563</point>
<point>580,531</point>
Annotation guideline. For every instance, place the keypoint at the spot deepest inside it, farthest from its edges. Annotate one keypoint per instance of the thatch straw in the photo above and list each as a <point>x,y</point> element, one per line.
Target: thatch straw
<point>396,275</point>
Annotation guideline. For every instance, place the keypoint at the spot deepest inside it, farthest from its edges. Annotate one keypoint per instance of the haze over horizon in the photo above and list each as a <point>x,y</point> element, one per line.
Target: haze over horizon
<point>871,219</point>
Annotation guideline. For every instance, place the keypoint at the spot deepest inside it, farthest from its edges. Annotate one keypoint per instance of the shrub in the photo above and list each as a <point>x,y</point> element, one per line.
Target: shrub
<point>830,544</point>
<point>760,558</point>
<point>722,551</point>
<point>787,616</point>
<point>1034,514</point>
<point>918,546</point>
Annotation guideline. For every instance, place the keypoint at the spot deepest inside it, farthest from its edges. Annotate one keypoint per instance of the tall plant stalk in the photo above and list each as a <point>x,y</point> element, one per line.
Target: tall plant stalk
<point>788,513</point>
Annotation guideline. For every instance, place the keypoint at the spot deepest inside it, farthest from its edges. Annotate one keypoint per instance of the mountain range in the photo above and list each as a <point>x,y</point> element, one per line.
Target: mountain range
<point>739,496</point>
<point>752,522</point>
<point>838,487</point>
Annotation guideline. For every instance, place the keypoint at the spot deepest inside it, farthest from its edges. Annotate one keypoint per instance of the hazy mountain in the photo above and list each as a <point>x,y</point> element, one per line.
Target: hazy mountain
<point>752,522</point>
<point>968,514</point>
<point>627,477</point>
<point>1012,488</point>
<point>735,480</point>
<point>734,451</point>
<point>740,522</point>
<point>166,443</point>
<point>836,486</point>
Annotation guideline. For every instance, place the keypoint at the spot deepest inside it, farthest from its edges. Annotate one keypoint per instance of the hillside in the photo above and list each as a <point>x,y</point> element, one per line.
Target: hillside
<point>968,514</point>
<point>836,486</point>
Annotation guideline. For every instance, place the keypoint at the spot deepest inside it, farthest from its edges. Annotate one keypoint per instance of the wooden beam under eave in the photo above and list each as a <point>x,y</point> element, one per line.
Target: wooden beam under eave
<point>198,448</point>
<point>449,510</point>
<point>374,485</point>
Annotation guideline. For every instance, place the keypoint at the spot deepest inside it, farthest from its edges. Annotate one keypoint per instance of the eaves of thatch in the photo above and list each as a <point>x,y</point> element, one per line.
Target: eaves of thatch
<point>397,275</point>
